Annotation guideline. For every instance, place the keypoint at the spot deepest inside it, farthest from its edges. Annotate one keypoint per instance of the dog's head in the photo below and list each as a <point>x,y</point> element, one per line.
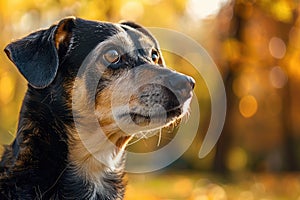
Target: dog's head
<point>115,69</point>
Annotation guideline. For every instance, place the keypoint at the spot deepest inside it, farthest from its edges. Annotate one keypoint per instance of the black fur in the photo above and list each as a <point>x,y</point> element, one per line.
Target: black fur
<point>35,166</point>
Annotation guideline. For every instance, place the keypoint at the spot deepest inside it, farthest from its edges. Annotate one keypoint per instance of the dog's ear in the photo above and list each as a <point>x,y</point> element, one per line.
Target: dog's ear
<point>37,56</point>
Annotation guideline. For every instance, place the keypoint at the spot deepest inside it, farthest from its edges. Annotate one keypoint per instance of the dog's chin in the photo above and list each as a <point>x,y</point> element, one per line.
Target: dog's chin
<point>152,124</point>
<point>145,125</point>
<point>160,119</point>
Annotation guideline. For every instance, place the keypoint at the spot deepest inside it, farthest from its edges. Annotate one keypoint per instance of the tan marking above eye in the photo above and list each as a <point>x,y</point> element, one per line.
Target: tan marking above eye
<point>112,56</point>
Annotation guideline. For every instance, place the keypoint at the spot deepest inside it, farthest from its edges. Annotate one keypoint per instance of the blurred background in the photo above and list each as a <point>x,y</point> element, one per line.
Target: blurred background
<point>256,46</point>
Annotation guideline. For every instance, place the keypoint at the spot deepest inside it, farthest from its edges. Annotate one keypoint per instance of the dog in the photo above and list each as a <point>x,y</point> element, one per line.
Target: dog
<point>84,77</point>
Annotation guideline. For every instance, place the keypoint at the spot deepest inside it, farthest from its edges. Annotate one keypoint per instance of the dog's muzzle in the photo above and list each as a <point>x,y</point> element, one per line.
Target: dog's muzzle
<point>160,96</point>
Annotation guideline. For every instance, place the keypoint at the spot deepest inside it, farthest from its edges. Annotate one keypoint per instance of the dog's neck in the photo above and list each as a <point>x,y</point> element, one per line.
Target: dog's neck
<point>96,174</point>
<point>91,179</point>
<point>111,187</point>
<point>83,176</point>
<point>96,160</point>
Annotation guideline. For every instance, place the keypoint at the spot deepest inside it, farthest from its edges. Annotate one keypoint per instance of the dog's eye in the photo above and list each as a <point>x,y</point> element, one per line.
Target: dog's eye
<point>155,56</point>
<point>112,56</point>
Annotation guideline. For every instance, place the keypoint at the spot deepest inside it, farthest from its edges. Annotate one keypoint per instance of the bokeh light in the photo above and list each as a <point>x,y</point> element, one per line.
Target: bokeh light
<point>255,44</point>
<point>237,159</point>
<point>241,86</point>
<point>277,47</point>
<point>248,106</point>
<point>278,77</point>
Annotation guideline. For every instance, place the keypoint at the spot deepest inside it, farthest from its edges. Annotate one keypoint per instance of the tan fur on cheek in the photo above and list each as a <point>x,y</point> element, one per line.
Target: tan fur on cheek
<point>89,147</point>
<point>82,160</point>
<point>104,114</point>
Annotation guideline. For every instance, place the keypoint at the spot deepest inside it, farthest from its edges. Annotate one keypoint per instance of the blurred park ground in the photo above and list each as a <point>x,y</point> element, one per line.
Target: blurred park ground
<point>256,46</point>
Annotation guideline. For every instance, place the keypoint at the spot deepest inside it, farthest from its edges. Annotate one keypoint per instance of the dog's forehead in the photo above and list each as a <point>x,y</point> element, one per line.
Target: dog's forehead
<point>133,37</point>
<point>88,35</point>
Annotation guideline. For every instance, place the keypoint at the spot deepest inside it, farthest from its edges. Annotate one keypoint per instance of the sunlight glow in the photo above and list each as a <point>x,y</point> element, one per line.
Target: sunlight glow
<point>132,10</point>
<point>202,9</point>
<point>7,88</point>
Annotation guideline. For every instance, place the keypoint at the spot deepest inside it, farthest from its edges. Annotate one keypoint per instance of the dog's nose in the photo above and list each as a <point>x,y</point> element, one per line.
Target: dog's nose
<point>180,81</point>
<point>192,81</point>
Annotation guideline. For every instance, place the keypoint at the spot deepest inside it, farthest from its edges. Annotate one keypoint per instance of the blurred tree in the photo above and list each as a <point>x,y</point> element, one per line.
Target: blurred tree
<point>258,85</point>
<point>255,43</point>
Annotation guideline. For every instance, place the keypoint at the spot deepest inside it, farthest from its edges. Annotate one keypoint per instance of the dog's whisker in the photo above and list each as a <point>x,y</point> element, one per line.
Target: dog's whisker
<point>159,137</point>
<point>90,106</point>
<point>11,134</point>
<point>144,134</point>
<point>134,142</point>
<point>186,117</point>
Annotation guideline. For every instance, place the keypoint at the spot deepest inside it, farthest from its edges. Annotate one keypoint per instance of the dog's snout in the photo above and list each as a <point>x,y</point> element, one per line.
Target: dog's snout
<point>181,85</point>
<point>192,81</point>
<point>180,82</point>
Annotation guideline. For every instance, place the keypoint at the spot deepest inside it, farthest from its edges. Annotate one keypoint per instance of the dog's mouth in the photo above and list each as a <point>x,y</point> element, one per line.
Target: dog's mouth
<point>147,98</point>
<point>142,119</point>
<point>155,105</point>
<point>151,107</point>
<point>159,117</point>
